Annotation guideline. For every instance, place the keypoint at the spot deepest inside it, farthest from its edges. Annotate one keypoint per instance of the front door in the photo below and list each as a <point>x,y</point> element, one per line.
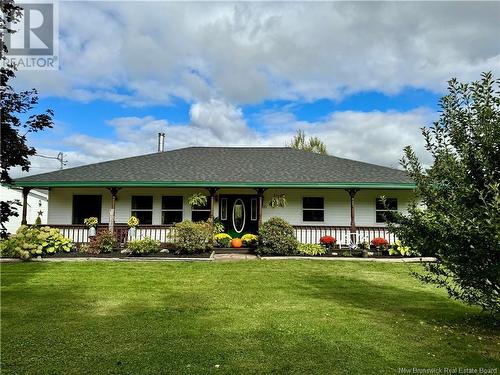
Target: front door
<point>238,213</point>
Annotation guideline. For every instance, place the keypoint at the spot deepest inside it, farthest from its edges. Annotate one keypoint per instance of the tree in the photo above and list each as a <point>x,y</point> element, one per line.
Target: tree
<point>457,216</point>
<point>313,144</point>
<point>15,106</point>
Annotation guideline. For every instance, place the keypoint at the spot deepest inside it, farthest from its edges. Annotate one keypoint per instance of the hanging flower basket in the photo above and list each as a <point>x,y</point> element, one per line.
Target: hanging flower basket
<point>197,200</point>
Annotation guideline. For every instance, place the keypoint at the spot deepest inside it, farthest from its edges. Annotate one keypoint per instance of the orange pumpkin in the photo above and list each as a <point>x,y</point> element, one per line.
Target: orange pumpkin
<point>236,242</point>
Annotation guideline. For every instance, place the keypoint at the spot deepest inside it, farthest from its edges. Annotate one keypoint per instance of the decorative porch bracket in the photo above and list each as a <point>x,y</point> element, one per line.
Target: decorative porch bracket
<point>26,191</point>
<point>212,191</point>
<point>114,198</point>
<point>260,196</point>
<point>352,194</point>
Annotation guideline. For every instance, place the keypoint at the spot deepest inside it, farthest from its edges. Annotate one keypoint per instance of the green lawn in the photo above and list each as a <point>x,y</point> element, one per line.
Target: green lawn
<point>307,317</point>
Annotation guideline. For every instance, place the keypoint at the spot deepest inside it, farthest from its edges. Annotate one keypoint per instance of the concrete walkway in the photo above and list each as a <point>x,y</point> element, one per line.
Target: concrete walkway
<point>234,256</point>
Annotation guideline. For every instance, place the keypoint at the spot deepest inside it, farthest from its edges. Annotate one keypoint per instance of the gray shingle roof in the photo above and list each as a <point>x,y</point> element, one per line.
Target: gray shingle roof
<point>268,166</point>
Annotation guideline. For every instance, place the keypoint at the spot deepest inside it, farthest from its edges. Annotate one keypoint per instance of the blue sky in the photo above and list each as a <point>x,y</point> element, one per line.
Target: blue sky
<point>90,118</point>
<point>364,77</point>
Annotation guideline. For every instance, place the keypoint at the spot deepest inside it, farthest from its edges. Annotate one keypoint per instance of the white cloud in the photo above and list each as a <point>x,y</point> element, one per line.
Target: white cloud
<point>141,53</point>
<point>221,118</point>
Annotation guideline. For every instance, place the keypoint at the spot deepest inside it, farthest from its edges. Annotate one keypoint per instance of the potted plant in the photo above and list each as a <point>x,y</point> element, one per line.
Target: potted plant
<point>380,244</point>
<point>132,223</point>
<point>250,240</point>
<point>328,242</point>
<point>222,240</point>
<point>277,201</point>
<point>91,222</point>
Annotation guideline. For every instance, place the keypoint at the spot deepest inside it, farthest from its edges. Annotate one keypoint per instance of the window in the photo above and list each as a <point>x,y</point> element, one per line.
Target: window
<point>201,213</point>
<point>313,209</point>
<point>223,209</point>
<point>253,209</point>
<point>85,206</point>
<point>381,209</point>
<point>171,209</point>
<point>142,208</point>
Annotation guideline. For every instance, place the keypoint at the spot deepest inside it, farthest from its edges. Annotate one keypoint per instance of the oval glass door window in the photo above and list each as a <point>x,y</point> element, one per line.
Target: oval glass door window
<point>239,215</point>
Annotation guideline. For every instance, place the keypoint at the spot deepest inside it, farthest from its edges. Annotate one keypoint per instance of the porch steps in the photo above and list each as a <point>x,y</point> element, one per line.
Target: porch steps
<point>232,250</point>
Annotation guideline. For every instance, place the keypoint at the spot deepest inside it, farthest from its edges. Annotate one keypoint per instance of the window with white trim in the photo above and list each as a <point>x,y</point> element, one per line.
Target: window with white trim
<point>201,213</point>
<point>85,206</point>
<point>381,209</point>
<point>313,209</point>
<point>253,209</point>
<point>142,208</point>
<point>171,209</point>
<point>223,209</point>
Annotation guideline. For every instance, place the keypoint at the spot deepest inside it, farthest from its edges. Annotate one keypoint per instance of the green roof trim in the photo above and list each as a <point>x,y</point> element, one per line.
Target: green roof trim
<point>205,184</point>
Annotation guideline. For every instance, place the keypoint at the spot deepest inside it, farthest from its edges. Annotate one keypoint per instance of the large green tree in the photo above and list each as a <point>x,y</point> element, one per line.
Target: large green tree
<point>17,117</point>
<point>313,144</point>
<point>457,211</point>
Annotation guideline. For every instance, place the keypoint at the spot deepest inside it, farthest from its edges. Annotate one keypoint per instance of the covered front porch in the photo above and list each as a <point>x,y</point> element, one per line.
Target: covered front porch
<point>348,213</point>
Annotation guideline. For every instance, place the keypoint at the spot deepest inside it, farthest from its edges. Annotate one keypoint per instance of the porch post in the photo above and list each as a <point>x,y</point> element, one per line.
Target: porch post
<point>352,194</point>
<point>26,191</point>
<point>212,192</point>
<point>114,194</point>
<point>260,195</point>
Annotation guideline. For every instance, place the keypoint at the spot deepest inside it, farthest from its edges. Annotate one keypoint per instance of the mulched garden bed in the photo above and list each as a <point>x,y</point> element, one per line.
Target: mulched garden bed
<point>117,254</point>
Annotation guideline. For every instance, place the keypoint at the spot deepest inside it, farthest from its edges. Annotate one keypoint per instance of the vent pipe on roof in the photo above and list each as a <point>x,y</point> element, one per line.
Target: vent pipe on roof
<point>161,142</point>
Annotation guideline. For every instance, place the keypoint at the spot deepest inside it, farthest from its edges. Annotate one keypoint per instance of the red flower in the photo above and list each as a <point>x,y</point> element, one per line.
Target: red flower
<point>379,241</point>
<point>327,240</point>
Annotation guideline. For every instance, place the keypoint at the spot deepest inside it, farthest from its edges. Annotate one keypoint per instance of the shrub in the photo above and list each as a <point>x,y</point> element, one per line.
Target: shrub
<point>8,250</point>
<point>193,237</point>
<point>222,240</point>
<point>398,248</point>
<point>103,242</point>
<point>311,249</point>
<point>145,246</point>
<point>276,237</point>
<point>29,241</point>
<point>364,245</point>
<point>249,239</point>
<point>217,225</point>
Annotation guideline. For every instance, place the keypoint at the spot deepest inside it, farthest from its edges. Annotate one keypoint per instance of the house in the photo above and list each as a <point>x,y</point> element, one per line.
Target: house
<point>36,205</point>
<point>324,194</point>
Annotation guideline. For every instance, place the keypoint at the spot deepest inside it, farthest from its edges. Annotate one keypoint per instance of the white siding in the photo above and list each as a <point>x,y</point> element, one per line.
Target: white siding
<point>337,207</point>
<point>37,201</point>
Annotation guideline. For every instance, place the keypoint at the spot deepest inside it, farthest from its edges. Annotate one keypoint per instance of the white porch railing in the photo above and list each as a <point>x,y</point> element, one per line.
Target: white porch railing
<point>164,233</point>
<point>311,234</point>
<point>80,233</point>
